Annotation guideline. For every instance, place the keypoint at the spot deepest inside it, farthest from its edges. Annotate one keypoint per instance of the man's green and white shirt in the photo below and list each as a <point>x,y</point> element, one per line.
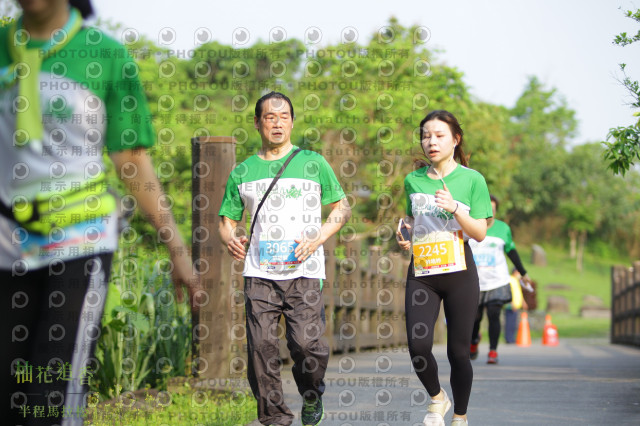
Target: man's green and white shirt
<point>291,211</point>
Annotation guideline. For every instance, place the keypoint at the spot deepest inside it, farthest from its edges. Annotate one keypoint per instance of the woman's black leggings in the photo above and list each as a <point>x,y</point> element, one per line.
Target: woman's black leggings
<point>459,292</point>
<point>50,329</point>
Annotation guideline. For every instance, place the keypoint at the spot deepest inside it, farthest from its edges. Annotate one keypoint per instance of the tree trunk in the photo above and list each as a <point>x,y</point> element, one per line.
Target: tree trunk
<point>573,237</point>
<point>582,240</point>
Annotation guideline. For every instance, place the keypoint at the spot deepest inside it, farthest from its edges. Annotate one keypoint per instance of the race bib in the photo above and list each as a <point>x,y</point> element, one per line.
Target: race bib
<point>438,253</point>
<point>484,260</point>
<point>278,256</point>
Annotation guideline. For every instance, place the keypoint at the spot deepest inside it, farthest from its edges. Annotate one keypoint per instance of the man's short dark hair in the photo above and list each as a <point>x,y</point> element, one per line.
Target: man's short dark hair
<point>495,200</point>
<point>84,7</point>
<point>272,95</point>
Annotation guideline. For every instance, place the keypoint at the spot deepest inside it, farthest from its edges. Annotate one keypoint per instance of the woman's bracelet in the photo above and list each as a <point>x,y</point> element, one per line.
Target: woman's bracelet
<point>455,210</point>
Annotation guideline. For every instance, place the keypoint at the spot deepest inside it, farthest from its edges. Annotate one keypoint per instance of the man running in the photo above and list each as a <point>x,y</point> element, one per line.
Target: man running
<point>284,261</point>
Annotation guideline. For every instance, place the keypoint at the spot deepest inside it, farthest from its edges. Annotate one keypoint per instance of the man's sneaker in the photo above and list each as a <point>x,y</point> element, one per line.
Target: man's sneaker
<point>459,421</point>
<point>493,357</point>
<point>312,412</point>
<point>436,411</point>
<point>473,354</point>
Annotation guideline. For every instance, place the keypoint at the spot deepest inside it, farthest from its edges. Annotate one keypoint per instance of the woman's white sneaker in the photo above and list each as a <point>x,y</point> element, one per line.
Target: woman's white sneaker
<point>437,410</point>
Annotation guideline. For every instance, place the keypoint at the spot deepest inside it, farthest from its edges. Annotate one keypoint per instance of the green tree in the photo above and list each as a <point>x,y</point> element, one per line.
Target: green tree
<point>488,145</point>
<point>596,203</point>
<point>362,107</point>
<point>624,150</point>
<point>541,125</point>
<point>360,104</point>
<point>580,220</point>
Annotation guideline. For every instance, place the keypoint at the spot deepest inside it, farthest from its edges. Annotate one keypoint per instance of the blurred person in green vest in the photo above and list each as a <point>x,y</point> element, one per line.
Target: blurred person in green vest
<point>495,290</point>
<point>67,93</point>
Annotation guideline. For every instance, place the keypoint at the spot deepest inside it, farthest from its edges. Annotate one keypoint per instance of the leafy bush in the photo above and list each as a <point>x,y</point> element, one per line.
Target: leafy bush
<point>146,334</point>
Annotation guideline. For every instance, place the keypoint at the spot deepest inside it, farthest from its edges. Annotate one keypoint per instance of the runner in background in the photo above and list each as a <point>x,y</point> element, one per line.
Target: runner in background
<point>511,309</point>
<point>529,303</point>
<point>67,92</point>
<point>493,272</point>
<point>447,203</point>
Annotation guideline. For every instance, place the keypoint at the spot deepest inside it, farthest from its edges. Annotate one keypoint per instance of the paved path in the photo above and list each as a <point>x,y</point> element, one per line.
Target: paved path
<point>579,382</point>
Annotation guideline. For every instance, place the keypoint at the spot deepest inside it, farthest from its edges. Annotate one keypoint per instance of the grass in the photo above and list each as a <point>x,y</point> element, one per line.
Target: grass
<point>186,408</point>
<point>595,280</point>
<point>574,326</point>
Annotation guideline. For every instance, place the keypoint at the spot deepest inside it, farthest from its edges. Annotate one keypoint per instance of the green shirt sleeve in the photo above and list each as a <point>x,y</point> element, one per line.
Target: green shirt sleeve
<point>232,204</point>
<point>508,240</point>
<point>331,189</point>
<point>128,115</point>
<point>480,201</point>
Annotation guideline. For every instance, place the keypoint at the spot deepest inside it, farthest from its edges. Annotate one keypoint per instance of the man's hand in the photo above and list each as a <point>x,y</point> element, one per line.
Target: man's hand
<point>305,248</point>
<point>235,247</point>
<point>339,215</point>
<point>235,242</point>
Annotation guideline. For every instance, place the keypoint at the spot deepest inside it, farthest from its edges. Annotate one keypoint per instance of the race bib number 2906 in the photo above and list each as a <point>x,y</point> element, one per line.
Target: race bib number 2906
<point>438,253</point>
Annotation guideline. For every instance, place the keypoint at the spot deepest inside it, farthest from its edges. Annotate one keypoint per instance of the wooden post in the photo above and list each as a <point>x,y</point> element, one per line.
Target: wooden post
<point>213,158</point>
<point>328,291</point>
<point>625,304</point>
<point>377,313</point>
<point>350,272</point>
<point>614,304</point>
<point>354,251</point>
<point>397,279</point>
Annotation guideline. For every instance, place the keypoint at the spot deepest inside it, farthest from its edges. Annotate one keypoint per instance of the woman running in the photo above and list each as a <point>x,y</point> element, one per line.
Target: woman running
<point>447,203</point>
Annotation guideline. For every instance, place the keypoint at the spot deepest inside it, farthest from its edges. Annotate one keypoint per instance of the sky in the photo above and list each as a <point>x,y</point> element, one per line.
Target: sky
<point>496,44</point>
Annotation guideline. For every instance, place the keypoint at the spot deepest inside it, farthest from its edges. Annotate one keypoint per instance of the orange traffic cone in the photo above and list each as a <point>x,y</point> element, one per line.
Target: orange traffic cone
<point>524,335</point>
<point>550,335</point>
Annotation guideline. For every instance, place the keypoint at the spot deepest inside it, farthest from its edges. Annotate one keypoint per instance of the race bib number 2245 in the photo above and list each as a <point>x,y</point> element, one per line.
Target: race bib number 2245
<point>438,253</point>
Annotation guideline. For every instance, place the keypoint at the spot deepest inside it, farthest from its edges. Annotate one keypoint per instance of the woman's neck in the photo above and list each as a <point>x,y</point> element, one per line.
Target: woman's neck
<point>443,168</point>
<point>41,25</point>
